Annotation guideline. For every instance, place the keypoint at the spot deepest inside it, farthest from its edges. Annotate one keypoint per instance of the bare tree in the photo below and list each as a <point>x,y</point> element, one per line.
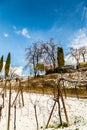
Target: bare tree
<point>74,52</point>
<point>50,53</point>
<point>33,56</point>
<point>83,52</point>
<point>12,72</point>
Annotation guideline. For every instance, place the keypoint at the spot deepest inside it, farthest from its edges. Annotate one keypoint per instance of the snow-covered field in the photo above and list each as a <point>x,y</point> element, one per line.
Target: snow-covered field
<point>25,116</point>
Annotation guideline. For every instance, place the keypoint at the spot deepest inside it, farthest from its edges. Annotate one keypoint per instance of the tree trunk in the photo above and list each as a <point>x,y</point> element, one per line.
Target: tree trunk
<point>83,57</point>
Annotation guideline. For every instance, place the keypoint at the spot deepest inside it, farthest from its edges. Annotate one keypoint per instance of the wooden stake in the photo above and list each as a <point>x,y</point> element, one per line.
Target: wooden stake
<point>36,116</point>
<point>59,109</point>
<point>0,112</point>
<point>3,99</point>
<point>66,116</point>
<point>9,106</point>
<point>19,92</point>
<point>50,114</point>
<point>15,117</point>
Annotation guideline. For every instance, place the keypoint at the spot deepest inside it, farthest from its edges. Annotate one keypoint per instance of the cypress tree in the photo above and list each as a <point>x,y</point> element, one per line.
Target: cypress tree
<point>7,65</point>
<point>1,63</point>
<point>60,57</point>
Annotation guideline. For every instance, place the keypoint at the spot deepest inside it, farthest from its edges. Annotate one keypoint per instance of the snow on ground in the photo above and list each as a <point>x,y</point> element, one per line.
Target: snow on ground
<point>25,116</point>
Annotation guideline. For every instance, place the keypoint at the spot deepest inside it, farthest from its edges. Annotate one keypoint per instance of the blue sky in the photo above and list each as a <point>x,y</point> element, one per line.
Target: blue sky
<point>24,21</point>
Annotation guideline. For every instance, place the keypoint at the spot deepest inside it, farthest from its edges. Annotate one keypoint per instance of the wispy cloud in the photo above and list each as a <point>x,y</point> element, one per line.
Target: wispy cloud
<point>69,60</point>
<point>80,6</point>
<point>6,35</point>
<point>79,39</point>
<point>24,32</point>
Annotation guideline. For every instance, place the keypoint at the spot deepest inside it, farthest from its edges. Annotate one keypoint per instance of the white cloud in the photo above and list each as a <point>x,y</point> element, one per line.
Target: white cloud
<point>77,41</point>
<point>6,35</point>
<point>80,39</point>
<point>16,70</point>
<point>24,32</point>
<point>13,70</point>
<point>69,60</point>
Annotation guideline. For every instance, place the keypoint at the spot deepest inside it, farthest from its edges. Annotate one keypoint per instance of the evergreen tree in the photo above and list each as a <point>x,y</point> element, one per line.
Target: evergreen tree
<point>1,63</point>
<point>7,65</point>
<point>60,57</point>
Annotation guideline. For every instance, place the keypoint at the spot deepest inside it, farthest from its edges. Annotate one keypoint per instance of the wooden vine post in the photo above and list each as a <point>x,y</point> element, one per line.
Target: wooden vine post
<point>63,103</point>
<point>57,100</point>
<point>15,117</point>
<point>0,112</point>
<point>19,93</point>
<point>9,104</point>
<point>3,99</point>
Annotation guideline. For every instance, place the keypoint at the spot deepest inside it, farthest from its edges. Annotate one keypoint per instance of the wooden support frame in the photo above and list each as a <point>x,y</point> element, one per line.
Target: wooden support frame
<point>59,96</point>
<point>19,92</point>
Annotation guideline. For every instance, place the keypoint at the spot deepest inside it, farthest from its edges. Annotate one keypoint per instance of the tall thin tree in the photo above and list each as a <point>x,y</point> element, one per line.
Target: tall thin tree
<point>7,65</point>
<point>1,63</point>
<point>60,56</point>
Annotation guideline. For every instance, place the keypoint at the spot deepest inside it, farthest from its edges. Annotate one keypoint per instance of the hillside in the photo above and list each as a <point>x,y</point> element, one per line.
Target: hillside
<point>72,84</point>
<point>75,83</point>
